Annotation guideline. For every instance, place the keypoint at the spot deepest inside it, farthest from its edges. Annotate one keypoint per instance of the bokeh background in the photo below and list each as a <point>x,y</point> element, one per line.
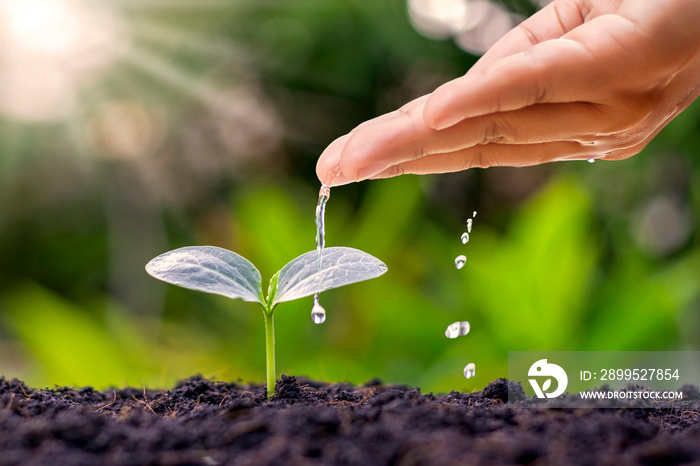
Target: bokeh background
<point>131,127</point>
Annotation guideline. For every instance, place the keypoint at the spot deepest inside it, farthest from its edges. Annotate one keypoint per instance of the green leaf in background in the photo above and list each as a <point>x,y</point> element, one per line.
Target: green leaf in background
<point>640,306</point>
<point>532,284</point>
<point>69,345</point>
<point>272,226</point>
<point>66,344</point>
<point>390,215</point>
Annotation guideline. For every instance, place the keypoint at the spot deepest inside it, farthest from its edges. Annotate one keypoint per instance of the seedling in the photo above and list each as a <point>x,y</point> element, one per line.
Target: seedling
<point>219,271</point>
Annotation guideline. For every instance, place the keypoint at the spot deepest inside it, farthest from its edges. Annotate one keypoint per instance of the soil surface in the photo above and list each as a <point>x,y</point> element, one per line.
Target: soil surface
<point>201,422</point>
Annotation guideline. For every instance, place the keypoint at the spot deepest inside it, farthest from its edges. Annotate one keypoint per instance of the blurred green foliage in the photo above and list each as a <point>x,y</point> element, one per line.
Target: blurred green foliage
<point>562,257</point>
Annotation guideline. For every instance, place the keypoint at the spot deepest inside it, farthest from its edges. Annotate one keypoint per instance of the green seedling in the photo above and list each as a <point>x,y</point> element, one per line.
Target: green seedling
<point>219,271</point>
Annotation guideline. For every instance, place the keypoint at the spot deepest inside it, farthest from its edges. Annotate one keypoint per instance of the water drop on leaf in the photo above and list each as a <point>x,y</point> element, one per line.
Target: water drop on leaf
<point>318,313</point>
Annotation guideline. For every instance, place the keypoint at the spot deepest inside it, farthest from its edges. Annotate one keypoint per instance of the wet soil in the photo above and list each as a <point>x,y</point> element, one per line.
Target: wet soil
<point>202,422</point>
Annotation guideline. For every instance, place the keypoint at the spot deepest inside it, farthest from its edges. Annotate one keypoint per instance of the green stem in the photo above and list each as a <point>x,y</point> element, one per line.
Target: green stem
<point>270,350</point>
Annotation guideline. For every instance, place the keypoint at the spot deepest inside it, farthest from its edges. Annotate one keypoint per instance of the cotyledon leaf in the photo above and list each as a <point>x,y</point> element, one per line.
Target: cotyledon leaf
<point>339,266</point>
<point>209,269</point>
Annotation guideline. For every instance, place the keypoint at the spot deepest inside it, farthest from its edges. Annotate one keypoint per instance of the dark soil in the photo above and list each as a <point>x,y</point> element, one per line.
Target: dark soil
<point>307,422</point>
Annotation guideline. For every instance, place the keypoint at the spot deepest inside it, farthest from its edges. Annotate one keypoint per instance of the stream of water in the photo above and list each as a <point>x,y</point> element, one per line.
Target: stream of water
<point>318,313</point>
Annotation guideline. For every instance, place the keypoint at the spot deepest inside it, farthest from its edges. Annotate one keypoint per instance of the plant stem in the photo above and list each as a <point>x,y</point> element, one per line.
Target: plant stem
<point>270,350</point>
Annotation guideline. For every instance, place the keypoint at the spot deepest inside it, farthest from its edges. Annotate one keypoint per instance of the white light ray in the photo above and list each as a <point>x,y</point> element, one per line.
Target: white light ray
<point>168,73</point>
<point>175,38</point>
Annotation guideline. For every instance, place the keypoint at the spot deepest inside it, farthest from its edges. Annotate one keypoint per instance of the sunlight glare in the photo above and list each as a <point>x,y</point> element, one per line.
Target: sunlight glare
<point>475,25</point>
<point>51,48</point>
<point>437,19</point>
<point>48,26</point>
<point>494,22</point>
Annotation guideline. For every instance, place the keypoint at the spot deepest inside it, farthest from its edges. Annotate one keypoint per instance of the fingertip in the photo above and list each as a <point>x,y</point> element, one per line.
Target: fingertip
<point>346,160</point>
<point>328,168</point>
<point>338,179</point>
<point>350,156</point>
<point>358,160</point>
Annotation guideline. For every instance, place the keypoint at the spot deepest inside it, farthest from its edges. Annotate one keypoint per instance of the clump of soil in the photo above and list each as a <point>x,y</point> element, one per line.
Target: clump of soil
<point>307,422</point>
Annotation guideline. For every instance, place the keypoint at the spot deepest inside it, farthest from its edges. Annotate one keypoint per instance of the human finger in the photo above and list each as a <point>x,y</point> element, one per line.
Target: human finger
<point>570,69</point>
<point>551,22</point>
<point>405,137</point>
<point>493,155</point>
<point>328,169</point>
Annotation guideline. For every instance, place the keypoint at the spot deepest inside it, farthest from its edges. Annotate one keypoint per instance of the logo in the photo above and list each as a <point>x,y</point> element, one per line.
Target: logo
<point>542,368</point>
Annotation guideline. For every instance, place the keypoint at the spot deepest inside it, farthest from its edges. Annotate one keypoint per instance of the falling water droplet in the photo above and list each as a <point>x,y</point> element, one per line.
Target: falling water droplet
<point>465,238</point>
<point>591,160</point>
<point>469,225</point>
<point>470,370</point>
<point>460,261</point>
<point>457,329</point>
<point>318,313</point>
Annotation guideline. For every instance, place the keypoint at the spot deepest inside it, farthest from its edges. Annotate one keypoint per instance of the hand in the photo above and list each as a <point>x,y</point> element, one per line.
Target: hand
<point>580,79</point>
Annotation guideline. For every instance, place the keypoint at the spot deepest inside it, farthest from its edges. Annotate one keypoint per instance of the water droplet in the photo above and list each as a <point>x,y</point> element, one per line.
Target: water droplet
<point>474,214</point>
<point>470,370</point>
<point>591,160</point>
<point>460,261</point>
<point>457,329</point>
<point>465,238</point>
<point>318,313</point>
<point>469,225</point>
